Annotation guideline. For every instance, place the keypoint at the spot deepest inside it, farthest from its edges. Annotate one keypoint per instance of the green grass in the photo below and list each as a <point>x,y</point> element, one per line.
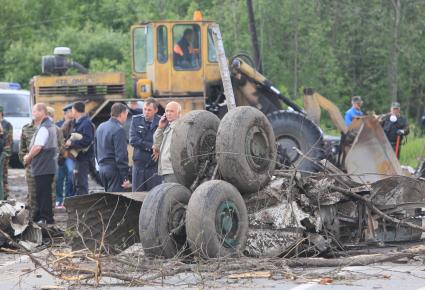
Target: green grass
<point>411,151</point>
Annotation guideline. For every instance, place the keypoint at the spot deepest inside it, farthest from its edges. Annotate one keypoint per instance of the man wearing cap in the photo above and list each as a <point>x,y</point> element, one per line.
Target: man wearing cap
<point>395,127</point>
<point>67,127</point>
<point>62,175</point>
<point>354,111</point>
<point>83,145</point>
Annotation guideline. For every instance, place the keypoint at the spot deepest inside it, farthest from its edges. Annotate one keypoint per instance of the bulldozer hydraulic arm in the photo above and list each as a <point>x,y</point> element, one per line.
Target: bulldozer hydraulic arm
<point>239,66</point>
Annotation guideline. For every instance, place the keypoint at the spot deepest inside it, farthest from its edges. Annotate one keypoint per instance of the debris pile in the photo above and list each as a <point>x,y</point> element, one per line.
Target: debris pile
<point>15,222</point>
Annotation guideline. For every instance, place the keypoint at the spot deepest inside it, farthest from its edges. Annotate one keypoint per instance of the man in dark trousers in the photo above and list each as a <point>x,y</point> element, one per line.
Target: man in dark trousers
<point>42,158</point>
<point>111,150</point>
<point>145,169</point>
<point>395,127</point>
<point>81,144</point>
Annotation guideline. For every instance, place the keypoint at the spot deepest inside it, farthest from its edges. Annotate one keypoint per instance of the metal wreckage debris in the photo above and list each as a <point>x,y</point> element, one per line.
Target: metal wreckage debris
<point>293,215</point>
<point>15,222</point>
<point>296,213</point>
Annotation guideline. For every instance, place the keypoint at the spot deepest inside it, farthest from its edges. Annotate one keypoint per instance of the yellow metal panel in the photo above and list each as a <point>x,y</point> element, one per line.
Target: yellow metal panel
<point>108,78</point>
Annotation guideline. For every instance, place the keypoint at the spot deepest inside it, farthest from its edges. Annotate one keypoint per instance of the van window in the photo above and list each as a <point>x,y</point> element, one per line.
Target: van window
<point>15,105</point>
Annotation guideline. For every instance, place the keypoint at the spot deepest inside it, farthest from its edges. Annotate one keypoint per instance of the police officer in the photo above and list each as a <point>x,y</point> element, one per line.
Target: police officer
<point>7,150</point>
<point>111,150</point>
<point>395,127</point>
<point>84,145</point>
<point>142,128</point>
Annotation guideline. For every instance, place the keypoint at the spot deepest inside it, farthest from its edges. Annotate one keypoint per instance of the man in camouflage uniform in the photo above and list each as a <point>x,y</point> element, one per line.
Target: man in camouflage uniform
<point>7,150</point>
<point>27,133</point>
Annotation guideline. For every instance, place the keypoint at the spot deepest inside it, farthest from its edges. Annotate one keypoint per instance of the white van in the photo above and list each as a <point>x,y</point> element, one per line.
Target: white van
<point>17,110</point>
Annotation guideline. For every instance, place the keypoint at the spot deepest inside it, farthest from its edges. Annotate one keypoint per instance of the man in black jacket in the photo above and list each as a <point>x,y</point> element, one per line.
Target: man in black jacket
<point>81,144</point>
<point>143,126</point>
<point>395,127</point>
<point>111,150</point>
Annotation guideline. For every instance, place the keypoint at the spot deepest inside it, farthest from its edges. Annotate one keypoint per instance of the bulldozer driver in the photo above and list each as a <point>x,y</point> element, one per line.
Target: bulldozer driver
<point>183,50</point>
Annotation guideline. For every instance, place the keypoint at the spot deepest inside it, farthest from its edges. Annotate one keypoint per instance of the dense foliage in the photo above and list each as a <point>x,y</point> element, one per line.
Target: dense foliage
<point>372,48</point>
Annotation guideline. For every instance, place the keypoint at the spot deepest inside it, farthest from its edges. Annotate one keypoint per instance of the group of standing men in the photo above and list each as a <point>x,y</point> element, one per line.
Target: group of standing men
<point>395,126</point>
<point>150,136</point>
<point>67,150</point>
<point>63,150</point>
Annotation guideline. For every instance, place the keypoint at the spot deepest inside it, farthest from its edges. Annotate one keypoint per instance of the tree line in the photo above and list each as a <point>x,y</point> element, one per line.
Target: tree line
<point>371,48</point>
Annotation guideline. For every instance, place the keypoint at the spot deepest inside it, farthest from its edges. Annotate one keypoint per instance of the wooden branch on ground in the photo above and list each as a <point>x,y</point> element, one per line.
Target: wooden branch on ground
<point>360,260</point>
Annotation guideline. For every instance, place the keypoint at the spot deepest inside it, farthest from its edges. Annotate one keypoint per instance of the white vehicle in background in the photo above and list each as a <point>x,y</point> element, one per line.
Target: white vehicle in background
<point>17,110</point>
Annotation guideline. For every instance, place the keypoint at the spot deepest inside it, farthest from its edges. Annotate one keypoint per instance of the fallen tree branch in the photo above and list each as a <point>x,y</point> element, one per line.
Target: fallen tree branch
<point>360,260</point>
<point>26,252</point>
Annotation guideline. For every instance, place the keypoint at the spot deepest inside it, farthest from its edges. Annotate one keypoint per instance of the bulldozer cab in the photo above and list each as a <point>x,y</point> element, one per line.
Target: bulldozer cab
<point>174,59</point>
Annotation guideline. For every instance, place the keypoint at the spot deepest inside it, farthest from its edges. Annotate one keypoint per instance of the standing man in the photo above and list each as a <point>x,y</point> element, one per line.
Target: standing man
<point>83,144</point>
<point>28,131</point>
<point>62,178</point>
<point>55,194</point>
<point>111,150</point>
<point>354,111</point>
<point>395,127</point>
<point>134,108</point>
<point>42,158</point>
<point>162,142</point>
<point>7,150</point>
<point>142,128</point>
<point>67,128</point>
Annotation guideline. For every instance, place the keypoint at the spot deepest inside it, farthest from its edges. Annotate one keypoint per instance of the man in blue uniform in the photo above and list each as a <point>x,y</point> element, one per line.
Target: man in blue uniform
<point>354,111</point>
<point>145,169</point>
<point>111,150</point>
<point>81,142</point>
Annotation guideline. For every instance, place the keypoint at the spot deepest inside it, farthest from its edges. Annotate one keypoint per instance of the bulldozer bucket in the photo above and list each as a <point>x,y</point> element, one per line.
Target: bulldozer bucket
<point>370,157</point>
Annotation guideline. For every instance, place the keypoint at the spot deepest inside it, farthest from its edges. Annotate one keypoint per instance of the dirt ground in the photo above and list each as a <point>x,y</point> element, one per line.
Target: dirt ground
<point>18,272</point>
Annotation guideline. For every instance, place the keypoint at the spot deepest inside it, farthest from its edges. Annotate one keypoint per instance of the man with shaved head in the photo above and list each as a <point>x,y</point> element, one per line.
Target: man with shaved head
<point>162,141</point>
<point>42,157</point>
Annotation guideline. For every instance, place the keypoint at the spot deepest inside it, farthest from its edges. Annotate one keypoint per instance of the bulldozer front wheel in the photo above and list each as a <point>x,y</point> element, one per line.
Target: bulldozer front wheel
<point>246,149</point>
<point>292,129</point>
<point>162,220</point>
<point>193,145</point>
<point>216,220</point>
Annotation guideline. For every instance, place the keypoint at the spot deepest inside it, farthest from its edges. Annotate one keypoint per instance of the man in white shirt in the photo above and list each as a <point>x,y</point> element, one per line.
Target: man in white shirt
<point>42,158</point>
